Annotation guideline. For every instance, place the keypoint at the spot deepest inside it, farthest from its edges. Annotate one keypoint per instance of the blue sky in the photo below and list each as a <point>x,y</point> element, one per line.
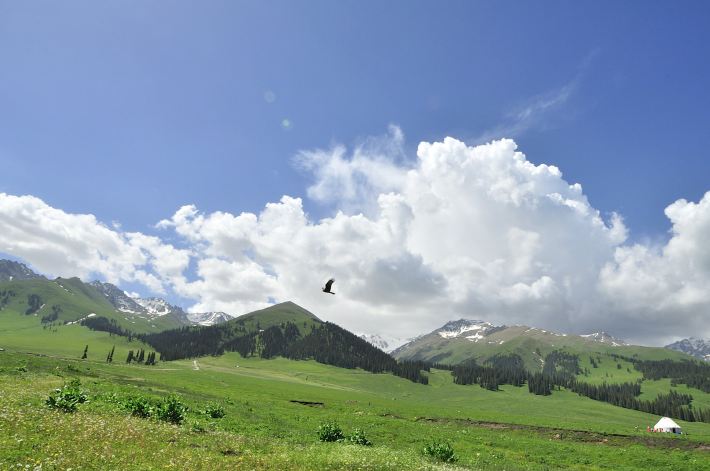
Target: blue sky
<point>192,113</point>
<point>128,110</point>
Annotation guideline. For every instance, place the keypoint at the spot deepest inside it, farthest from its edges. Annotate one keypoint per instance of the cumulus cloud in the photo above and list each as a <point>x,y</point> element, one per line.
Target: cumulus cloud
<point>63,244</point>
<point>664,290</point>
<point>460,231</point>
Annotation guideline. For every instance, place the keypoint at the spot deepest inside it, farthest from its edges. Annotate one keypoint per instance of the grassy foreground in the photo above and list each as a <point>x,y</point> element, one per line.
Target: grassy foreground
<point>510,429</point>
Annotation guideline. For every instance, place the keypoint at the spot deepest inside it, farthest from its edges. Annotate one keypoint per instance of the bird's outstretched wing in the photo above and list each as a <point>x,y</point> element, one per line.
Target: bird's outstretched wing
<point>329,284</point>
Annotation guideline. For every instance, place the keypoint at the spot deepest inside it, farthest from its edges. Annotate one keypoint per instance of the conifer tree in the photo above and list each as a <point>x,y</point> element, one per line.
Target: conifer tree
<point>109,358</point>
<point>130,356</point>
<point>86,349</point>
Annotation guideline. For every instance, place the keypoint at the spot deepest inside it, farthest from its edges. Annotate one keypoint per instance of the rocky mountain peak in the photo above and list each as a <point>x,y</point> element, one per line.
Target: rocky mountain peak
<point>699,348</point>
<point>10,270</point>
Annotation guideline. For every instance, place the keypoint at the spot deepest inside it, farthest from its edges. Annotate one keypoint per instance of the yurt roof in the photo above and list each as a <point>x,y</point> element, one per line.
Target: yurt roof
<point>665,422</point>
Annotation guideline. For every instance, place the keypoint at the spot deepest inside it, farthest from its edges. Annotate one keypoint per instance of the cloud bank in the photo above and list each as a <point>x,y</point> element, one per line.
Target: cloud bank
<point>460,231</point>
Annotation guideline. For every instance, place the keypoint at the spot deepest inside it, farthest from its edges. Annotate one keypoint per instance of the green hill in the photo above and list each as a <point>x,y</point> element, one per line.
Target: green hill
<point>192,341</point>
<point>44,316</point>
<point>275,315</point>
<point>452,344</point>
<point>66,300</point>
<point>285,330</point>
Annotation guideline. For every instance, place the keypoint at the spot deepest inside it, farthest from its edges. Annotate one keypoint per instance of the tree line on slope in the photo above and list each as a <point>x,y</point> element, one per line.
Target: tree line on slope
<point>561,370</point>
<point>695,375</point>
<point>325,343</point>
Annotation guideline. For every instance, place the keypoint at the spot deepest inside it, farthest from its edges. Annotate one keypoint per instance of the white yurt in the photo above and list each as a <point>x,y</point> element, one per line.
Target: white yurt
<point>667,425</point>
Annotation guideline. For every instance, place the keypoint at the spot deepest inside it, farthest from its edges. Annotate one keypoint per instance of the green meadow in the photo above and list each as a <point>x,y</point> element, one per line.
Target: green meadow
<point>263,429</point>
<point>273,408</point>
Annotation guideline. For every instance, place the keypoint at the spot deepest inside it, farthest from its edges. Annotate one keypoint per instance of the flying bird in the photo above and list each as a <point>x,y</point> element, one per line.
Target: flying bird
<point>329,285</point>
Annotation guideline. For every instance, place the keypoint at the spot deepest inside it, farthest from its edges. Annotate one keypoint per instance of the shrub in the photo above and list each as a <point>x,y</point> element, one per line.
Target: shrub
<point>171,409</point>
<point>216,411</point>
<point>441,451</point>
<point>330,432</point>
<point>358,438</point>
<point>139,406</point>
<point>68,397</point>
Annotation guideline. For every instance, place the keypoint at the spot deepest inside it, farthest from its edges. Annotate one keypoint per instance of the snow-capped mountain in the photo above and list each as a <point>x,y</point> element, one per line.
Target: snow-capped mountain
<point>699,348</point>
<point>470,329</point>
<point>10,271</point>
<point>156,307</point>
<point>118,298</point>
<point>385,343</point>
<point>141,307</point>
<point>462,339</point>
<point>604,337</point>
<point>208,318</point>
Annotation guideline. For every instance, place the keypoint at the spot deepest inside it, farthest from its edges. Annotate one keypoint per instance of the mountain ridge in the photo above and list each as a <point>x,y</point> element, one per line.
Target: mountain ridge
<point>698,348</point>
<point>464,339</point>
<point>153,307</point>
<point>11,270</point>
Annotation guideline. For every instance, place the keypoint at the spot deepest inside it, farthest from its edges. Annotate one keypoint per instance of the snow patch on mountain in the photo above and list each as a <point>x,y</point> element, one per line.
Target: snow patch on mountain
<point>208,318</point>
<point>118,298</point>
<point>152,308</point>
<point>604,337</point>
<point>699,348</point>
<point>385,343</point>
<point>461,327</point>
<point>78,321</point>
<point>156,307</point>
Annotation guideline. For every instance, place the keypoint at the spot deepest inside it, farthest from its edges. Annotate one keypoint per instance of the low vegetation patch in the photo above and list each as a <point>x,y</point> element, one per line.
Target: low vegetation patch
<point>171,409</point>
<point>358,438</point>
<point>68,397</point>
<point>330,432</point>
<point>139,406</point>
<point>216,411</point>
<point>441,451</point>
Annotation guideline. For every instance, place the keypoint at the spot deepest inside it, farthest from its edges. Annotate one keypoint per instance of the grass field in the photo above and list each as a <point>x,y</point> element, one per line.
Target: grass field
<point>25,333</point>
<point>263,429</point>
<point>508,429</point>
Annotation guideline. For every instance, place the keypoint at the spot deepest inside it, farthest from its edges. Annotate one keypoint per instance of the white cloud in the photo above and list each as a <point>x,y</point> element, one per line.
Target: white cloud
<point>664,290</point>
<point>461,231</point>
<point>354,182</point>
<point>63,244</point>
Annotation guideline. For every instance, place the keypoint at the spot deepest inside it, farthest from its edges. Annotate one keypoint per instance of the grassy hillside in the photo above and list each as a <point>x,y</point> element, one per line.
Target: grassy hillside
<point>25,334</point>
<point>275,315</point>
<point>67,300</point>
<point>532,345</point>
<point>209,340</point>
<point>508,429</point>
